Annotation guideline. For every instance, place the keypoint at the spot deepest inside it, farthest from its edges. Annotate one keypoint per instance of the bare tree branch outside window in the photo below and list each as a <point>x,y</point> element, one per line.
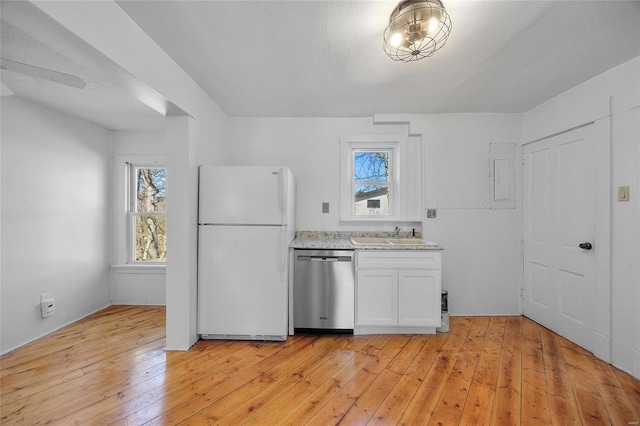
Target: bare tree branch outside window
<point>371,182</point>
<point>150,215</point>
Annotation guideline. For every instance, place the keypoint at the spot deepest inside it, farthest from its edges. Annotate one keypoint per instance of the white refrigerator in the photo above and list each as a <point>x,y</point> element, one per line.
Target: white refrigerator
<point>246,221</point>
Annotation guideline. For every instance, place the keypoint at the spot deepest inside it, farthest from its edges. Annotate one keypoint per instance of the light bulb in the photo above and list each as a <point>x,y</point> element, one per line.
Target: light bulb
<point>433,25</point>
<point>395,40</point>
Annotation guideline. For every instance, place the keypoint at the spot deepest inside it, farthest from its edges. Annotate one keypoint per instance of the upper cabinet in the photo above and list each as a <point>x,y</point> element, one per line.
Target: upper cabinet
<point>381,178</point>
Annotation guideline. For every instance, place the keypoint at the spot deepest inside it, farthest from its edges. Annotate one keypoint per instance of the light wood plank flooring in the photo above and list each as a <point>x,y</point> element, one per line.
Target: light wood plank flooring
<point>111,368</point>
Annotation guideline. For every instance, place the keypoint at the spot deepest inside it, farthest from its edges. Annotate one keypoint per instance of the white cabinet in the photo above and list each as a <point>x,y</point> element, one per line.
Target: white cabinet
<point>419,297</point>
<point>398,291</point>
<point>377,297</point>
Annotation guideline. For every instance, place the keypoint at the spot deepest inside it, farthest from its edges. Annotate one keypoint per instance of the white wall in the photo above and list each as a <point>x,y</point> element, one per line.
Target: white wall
<point>55,219</point>
<point>481,261</point>
<point>310,148</point>
<point>139,142</point>
<point>615,93</point>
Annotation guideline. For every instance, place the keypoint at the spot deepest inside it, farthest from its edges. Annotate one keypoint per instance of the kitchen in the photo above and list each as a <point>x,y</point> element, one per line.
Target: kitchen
<point>481,262</point>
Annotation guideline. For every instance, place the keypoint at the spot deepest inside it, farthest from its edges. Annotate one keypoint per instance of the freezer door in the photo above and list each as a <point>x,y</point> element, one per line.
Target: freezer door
<point>242,282</point>
<point>243,195</point>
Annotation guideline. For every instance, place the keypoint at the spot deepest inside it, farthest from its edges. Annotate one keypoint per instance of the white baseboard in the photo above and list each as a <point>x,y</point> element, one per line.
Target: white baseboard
<point>19,345</point>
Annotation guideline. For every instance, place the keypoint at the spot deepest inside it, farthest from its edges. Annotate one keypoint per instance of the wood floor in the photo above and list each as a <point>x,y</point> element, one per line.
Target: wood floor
<point>111,368</point>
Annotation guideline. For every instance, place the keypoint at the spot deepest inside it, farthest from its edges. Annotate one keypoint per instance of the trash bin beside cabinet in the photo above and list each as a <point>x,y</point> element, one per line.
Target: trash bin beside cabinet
<point>444,314</point>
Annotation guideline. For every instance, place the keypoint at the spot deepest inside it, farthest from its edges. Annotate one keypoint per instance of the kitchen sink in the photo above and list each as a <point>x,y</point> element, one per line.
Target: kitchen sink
<point>370,241</point>
<point>408,241</point>
<point>382,241</point>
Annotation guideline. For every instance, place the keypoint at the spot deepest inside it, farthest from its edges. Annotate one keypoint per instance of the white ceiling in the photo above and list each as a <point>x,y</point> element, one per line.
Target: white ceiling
<point>325,58</point>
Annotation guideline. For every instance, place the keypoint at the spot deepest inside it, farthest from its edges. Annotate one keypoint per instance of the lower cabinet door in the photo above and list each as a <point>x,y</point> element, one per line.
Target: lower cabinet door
<point>419,297</point>
<point>377,298</point>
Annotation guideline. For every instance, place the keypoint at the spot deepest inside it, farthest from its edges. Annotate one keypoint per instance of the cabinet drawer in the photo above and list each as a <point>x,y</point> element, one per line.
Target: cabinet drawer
<point>420,259</point>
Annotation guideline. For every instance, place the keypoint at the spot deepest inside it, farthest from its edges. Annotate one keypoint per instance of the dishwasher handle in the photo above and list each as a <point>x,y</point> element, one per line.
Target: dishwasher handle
<point>324,258</point>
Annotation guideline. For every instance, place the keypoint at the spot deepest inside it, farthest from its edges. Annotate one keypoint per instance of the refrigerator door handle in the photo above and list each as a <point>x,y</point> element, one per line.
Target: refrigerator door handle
<point>283,255</point>
<point>282,194</point>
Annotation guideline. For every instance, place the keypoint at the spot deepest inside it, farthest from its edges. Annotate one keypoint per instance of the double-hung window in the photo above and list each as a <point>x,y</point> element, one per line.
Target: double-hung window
<point>372,183</point>
<point>147,222</point>
<point>380,178</point>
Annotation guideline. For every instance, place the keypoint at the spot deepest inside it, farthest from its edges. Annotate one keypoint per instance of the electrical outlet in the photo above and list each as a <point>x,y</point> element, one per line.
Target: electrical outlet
<point>325,207</point>
<point>431,213</point>
<point>47,305</point>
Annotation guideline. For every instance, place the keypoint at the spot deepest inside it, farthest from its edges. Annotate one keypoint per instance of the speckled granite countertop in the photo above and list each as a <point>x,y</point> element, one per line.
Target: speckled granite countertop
<point>338,240</point>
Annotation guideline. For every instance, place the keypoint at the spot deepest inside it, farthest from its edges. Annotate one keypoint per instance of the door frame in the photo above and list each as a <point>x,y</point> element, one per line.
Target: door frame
<point>601,131</point>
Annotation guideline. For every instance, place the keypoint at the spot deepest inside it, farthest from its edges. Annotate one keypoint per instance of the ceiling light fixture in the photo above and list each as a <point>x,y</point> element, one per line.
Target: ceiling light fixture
<point>417,28</point>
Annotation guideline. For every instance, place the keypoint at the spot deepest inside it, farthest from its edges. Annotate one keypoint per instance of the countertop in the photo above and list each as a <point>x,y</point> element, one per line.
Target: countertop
<point>323,240</point>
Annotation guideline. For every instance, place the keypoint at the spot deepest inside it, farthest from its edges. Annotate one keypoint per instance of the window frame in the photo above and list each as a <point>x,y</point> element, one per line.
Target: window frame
<point>123,251</point>
<point>349,144</point>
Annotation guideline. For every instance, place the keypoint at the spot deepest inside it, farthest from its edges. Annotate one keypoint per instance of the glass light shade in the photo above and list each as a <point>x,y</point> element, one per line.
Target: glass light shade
<point>417,28</point>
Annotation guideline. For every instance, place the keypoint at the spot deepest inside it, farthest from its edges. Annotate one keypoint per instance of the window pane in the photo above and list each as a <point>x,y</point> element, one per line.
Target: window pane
<point>367,197</point>
<point>151,189</point>
<point>371,166</point>
<point>151,238</point>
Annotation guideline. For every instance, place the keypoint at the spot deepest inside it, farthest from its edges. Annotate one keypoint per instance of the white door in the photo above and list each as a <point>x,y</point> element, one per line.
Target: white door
<point>559,233</point>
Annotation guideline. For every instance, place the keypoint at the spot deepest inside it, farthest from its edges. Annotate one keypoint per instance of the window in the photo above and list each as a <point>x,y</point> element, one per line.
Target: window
<point>147,213</point>
<point>372,184</point>
<point>373,204</point>
<point>381,178</point>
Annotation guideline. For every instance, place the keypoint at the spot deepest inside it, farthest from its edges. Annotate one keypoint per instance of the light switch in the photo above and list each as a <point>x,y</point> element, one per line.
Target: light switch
<point>623,193</point>
<point>325,207</point>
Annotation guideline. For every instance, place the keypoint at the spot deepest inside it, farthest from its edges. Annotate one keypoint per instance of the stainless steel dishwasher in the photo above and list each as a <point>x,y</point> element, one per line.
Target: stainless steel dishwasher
<point>323,289</point>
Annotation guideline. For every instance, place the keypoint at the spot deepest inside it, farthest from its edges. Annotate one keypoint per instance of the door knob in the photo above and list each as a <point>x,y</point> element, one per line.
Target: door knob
<point>585,246</point>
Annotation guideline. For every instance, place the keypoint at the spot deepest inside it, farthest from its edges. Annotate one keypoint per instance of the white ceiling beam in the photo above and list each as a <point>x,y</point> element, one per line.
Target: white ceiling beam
<point>35,19</point>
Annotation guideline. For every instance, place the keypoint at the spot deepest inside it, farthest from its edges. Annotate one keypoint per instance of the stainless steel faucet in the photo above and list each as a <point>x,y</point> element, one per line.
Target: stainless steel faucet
<point>396,232</point>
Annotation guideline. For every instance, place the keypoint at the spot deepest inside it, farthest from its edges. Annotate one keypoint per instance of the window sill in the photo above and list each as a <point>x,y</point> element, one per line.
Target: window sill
<point>129,268</point>
<point>375,218</point>
<point>372,218</point>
